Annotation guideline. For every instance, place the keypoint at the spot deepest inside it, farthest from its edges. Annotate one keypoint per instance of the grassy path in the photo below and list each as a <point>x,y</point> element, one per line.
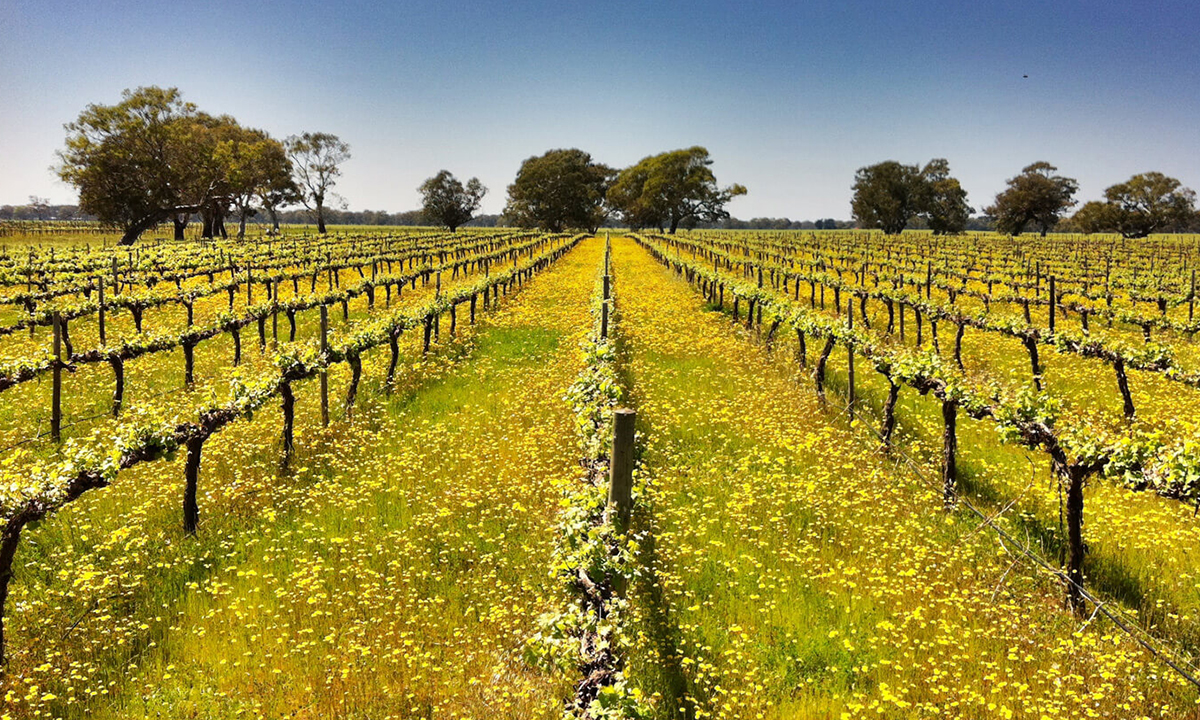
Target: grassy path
<point>398,573</point>
<point>792,572</point>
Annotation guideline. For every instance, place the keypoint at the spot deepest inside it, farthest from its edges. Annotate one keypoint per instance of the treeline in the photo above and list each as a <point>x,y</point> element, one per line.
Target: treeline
<point>892,197</point>
<point>153,158</point>
<point>39,211</point>
<point>412,218</point>
<point>418,218</point>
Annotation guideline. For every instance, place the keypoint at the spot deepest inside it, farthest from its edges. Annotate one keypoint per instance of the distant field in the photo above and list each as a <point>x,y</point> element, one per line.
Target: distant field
<point>364,475</point>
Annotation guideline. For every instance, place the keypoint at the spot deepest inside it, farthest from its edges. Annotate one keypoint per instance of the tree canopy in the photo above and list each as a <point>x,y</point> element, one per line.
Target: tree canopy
<point>670,189</point>
<point>135,163</point>
<point>557,190</point>
<point>1149,202</point>
<point>1037,196</point>
<point>153,157</point>
<point>944,202</point>
<point>258,172</point>
<point>889,194</point>
<point>446,201</point>
<point>316,165</point>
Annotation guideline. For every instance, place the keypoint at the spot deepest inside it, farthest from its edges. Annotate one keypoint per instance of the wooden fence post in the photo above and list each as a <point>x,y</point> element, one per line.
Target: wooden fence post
<point>1053,303</point>
<point>604,311</point>
<point>850,362</point>
<point>620,468</point>
<point>100,306</point>
<point>56,390</point>
<point>324,370</point>
<point>1192,299</point>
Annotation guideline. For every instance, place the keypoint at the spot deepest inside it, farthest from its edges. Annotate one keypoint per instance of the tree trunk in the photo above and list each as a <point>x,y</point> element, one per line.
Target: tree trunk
<point>118,366</point>
<point>1035,365</point>
<point>206,218</point>
<point>320,218</point>
<point>191,510</point>
<point>288,404</point>
<point>1075,547</point>
<point>889,414</point>
<point>9,539</point>
<point>393,343</point>
<point>135,230</point>
<point>189,364</point>
<point>181,222</point>
<point>958,336</point>
<point>949,454</point>
<point>352,392</point>
<point>819,372</point>
<point>1123,385</point>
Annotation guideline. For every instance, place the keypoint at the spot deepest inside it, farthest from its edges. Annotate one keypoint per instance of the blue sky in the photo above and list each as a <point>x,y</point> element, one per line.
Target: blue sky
<point>790,98</point>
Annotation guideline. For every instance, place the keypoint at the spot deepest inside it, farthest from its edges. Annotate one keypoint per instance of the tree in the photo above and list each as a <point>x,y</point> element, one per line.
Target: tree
<point>560,189</point>
<point>1094,217</point>
<point>1037,196</point>
<point>40,206</point>
<point>448,202</point>
<point>670,189</point>
<point>257,171</point>
<point>136,163</point>
<point>944,202</point>
<point>316,164</point>
<point>887,196</point>
<point>1148,203</point>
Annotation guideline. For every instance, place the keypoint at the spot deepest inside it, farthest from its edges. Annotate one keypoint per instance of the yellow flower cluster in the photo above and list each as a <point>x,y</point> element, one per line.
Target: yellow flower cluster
<point>797,573</point>
<point>396,573</point>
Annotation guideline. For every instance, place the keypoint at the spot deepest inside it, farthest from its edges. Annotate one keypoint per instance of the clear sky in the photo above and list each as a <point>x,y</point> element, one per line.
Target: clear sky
<point>789,97</point>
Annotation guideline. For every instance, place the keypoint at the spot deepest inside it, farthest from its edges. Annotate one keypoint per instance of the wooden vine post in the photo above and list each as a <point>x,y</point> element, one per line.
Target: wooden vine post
<point>620,468</point>
<point>604,310</point>
<point>1053,303</point>
<point>56,388</point>
<point>324,370</point>
<point>850,363</point>
<point>1192,299</point>
<point>100,307</point>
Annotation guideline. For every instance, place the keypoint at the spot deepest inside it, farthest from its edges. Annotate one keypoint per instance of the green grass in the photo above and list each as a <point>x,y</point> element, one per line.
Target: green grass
<point>429,519</point>
<point>795,572</point>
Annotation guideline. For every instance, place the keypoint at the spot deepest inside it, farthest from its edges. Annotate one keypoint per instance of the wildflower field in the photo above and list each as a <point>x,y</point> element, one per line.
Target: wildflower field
<point>366,475</point>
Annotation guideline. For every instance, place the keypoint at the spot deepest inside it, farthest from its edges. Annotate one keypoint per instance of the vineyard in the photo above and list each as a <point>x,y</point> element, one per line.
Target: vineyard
<point>501,473</point>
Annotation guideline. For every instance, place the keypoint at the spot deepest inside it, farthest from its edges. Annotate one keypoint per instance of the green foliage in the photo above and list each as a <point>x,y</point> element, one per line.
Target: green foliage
<point>944,205</point>
<point>1094,217</point>
<point>153,157</point>
<point>886,196</point>
<point>1149,202</point>
<point>316,164</point>
<point>671,189</point>
<point>558,190</point>
<point>1037,196</point>
<point>136,162</point>
<point>448,202</point>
